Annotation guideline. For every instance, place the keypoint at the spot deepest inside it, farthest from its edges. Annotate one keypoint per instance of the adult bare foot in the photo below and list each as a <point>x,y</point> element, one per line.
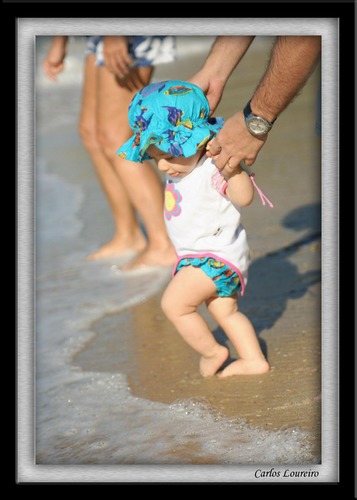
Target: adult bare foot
<point>245,367</point>
<point>151,257</point>
<point>119,246</point>
<point>209,365</point>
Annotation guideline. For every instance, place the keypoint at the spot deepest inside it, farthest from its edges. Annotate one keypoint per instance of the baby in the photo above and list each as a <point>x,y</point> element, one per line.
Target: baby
<point>202,211</point>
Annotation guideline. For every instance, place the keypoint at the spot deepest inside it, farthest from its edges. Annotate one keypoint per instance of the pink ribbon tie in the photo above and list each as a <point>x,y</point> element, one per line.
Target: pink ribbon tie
<point>260,192</point>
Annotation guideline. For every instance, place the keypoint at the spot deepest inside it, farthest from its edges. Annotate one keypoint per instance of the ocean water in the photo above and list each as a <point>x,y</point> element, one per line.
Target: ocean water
<point>92,418</point>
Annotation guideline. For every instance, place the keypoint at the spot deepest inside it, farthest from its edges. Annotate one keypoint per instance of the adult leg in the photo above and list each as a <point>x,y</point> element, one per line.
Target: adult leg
<point>241,333</point>
<point>127,233</point>
<point>189,288</point>
<point>142,183</point>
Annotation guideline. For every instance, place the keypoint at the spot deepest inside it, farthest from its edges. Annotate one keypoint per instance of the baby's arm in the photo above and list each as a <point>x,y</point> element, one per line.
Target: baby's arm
<point>240,189</point>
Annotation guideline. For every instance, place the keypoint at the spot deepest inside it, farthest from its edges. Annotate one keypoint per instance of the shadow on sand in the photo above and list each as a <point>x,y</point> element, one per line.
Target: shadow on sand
<point>264,304</point>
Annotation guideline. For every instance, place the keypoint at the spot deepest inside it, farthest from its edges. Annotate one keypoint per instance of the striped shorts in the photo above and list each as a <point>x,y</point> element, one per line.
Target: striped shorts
<point>144,50</point>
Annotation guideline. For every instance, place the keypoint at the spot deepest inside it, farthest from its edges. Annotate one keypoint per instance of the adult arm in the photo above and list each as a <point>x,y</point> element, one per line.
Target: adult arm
<point>224,56</point>
<point>292,60</point>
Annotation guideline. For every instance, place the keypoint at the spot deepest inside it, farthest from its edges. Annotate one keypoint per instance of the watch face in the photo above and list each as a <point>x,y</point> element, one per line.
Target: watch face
<point>258,126</point>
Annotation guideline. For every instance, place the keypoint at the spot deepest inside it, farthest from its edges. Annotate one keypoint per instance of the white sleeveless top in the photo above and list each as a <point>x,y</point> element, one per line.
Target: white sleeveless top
<point>202,222</point>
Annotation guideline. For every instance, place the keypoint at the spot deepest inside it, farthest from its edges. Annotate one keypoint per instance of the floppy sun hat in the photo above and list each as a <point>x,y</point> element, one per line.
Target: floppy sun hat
<point>174,116</point>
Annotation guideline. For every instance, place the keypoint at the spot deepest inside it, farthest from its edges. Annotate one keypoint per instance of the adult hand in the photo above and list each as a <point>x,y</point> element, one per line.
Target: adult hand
<point>233,145</point>
<point>116,56</point>
<point>53,63</point>
<point>118,61</point>
<point>212,88</point>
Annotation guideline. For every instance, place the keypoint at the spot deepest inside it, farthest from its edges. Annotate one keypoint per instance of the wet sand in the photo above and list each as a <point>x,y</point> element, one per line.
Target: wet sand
<point>283,293</point>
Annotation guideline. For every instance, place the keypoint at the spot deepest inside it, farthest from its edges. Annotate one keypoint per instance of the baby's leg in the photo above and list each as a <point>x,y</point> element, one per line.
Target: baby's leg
<point>189,288</point>
<point>241,333</point>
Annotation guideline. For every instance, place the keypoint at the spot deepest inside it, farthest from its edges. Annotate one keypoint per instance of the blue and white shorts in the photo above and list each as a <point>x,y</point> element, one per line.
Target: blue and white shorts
<point>144,50</point>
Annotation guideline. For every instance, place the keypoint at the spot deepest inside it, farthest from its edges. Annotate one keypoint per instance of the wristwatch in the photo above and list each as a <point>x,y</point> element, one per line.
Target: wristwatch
<point>256,125</point>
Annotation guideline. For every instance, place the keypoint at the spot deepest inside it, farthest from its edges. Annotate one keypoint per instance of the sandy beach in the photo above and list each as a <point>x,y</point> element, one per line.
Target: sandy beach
<point>283,297</point>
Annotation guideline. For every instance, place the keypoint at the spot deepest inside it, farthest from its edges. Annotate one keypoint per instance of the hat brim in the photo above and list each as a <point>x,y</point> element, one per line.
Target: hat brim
<point>186,143</point>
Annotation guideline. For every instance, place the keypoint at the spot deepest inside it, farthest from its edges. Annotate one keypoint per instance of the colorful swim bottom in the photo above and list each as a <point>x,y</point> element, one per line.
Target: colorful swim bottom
<point>144,50</point>
<point>226,280</point>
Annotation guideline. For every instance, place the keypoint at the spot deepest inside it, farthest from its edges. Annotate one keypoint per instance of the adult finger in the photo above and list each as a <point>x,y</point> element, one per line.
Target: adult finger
<point>229,169</point>
<point>213,147</point>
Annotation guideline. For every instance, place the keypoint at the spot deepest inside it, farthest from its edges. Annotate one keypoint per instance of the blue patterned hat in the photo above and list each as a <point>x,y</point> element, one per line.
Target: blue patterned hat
<point>174,116</point>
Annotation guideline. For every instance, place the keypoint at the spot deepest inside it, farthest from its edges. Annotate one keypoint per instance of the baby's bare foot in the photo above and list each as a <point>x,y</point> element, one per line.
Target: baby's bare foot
<point>209,365</point>
<point>117,247</point>
<point>245,367</point>
<point>151,258</point>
